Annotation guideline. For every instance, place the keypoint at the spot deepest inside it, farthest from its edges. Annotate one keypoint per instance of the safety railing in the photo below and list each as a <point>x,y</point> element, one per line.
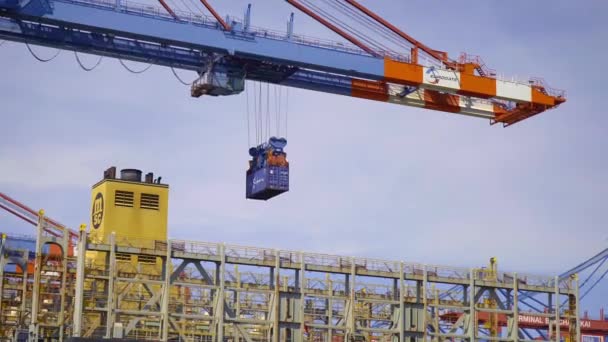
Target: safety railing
<point>251,278</point>
<point>378,265</point>
<point>476,60</point>
<point>290,257</point>
<point>194,247</point>
<point>413,269</point>
<point>535,280</point>
<point>138,242</point>
<point>136,8</point>
<point>543,86</point>
<point>368,289</point>
<point>257,255</point>
<point>448,272</point>
<point>250,253</point>
<point>315,284</point>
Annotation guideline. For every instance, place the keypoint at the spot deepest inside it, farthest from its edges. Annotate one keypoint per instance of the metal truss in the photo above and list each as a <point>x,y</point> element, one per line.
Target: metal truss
<point>196,291</point>
<point>113,287</point>
<point>35,298</point>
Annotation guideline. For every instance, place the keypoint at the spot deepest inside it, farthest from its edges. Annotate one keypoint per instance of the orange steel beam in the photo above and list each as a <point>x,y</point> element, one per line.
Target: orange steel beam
<point>333,27</point>
<point>168,9</point>
<point>442,56</point>
<point>217,16</point>
<point>52,222</point>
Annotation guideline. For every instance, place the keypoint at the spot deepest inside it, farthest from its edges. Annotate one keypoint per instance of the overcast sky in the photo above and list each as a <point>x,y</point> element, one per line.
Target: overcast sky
<point>367,178</point>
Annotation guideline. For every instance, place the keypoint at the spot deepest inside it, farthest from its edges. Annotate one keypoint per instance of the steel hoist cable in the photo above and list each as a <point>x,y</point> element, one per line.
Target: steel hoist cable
<point>267,111</point>
<point>286,110</point>
<point>277,101</point>
<point>84,67</point>
<point>248,114</point>
<point>356,33</point>
<point>255,112</point>
<point>134,71</point>
<point>372,25</point>
<point>179,78</point>
<point>259,113</point>
<point>39,58</point>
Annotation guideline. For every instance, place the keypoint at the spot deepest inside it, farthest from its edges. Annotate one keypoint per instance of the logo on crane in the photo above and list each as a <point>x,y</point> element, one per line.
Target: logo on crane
<point>433,76</point>
<point>97,212</point>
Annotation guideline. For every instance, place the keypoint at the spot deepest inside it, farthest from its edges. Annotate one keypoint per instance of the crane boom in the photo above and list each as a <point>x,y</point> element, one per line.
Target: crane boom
<point>215,15</point>
<point>133,32</point>
<point>439,55</point>
<point>332,27</point>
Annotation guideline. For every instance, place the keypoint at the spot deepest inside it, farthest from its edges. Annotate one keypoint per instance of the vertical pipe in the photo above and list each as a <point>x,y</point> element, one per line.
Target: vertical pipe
<point>2,242</point>
<point>352,321</point>
<point>166,293</point>
<point>277,298</point>
<point>424,302</point>
<point>247,22</point>
<point>515,308</point>
<point>24,285</point>
<point>290,26</point>
<point>79,297</point>
<point>111,278</point>
<point>330,305</point>
<point>401,303</point>
<point>221,301</point>
<point>64,273</point>
<point>36,287</point>
<point>472,318</point>
<point>577,313</point>
<point>237,298</point>
<point>557,311</point>
<point>302,296</point>
<point>271,278</point>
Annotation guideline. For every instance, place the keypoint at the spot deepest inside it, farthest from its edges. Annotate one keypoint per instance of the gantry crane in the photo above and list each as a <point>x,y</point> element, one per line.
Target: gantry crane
<point>226,52</point>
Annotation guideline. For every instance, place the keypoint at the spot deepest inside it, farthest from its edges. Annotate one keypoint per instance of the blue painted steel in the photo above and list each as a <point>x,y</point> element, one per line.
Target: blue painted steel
<point>151,36</point>
<point>147,52</point>
<point>323,82</point>
<point>267,182</point>
<point>600,257</point>
<point>102,45</point>
<point>9,4</point>
<point>277,144</point>
<point>204,35</point>
<point>585,265</point>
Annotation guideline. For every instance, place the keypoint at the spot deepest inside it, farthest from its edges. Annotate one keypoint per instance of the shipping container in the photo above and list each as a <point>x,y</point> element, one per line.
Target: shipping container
<point>267,182</point>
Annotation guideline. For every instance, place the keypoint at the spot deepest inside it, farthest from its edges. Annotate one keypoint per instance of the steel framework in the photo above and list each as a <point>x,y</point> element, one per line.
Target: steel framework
<point>236,51</point>
<point>196,291</point>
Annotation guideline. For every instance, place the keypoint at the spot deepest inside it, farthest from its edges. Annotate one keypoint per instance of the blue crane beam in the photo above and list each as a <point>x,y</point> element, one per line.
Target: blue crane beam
<point>202,34</point>
<point>185,57</point>
<point>148,34</point>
